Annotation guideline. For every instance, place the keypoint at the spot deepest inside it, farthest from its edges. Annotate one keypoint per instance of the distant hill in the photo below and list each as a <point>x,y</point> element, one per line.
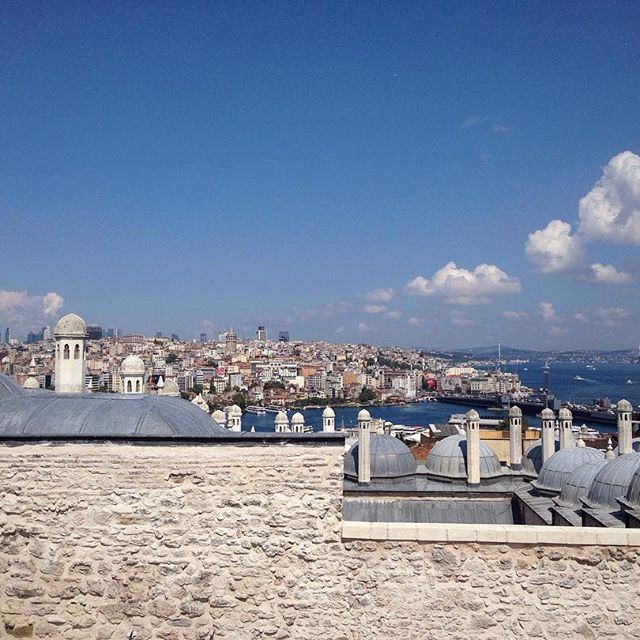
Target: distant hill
<point>492,352</point>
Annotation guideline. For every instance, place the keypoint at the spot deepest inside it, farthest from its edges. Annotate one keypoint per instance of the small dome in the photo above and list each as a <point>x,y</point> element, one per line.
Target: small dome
<point>235,411</point>
<point>448,459</point>
<point>624,405</point>
<point>364,415</point>
<point>533,457</point>
<point>328,413</point>
<point>515,412</point>
<point>171,388</point>
<point>557,469</point>
<point>577,485</point>
<point>613,481</point>
<point>547,414</point>
<point>281,418</point>
<point>31,383</point>
<point>132,366</point>
<point>472,414</point>
<point>390,458</point>
<point>297,418</point>
<point>219,416</point>
<point>72,326</point>
<point>565,414</point>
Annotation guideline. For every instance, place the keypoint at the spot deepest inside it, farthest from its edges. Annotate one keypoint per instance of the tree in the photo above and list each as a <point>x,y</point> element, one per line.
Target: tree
<point>197,388</point>
<point>240,399</point>
<point>171,358</point>
<point>366,395</point>
<point>273,384</point>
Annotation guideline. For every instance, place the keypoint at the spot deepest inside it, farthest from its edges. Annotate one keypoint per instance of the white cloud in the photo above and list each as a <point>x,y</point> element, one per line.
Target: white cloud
<point>611,210</point>
<point>393,314</point>
<point>22,309</point>
<point>580,317</point>
<point>374,308</point>
<point>611,316</point>
<point>498,127</point>
<point>364,327</point>
<point>339,329</point>
<point>608,274</point>
<point>462,322</point>
<point>379,295</point>
<point>414,322</point>
<point>460,286</point>
<point>548,312</point>
<point>515,315</point>
<point>554,248</point>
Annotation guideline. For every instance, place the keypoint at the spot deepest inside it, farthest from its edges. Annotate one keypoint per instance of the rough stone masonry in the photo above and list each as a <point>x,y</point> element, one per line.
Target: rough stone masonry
<point>112,541</point>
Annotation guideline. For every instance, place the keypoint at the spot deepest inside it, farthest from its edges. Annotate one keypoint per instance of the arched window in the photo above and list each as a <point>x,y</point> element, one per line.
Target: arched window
<point>76,353</point>
<point>129,387</point>
<point>137,386</point>
<point>66,352</point>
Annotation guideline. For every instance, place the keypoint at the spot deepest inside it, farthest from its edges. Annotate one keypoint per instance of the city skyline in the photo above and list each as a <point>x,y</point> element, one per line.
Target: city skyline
<point>420,176</point>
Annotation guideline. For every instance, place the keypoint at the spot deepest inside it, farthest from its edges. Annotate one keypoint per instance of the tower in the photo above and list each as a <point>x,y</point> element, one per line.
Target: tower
<point>281,422</point>
<point>297,423</point>
<point>364,447</point>
<point>548,440</point>
<point>70,361</point>
<point>473,448</point>
<point>515,437</point>
<point>234,422</point>
<point>231,342</point>
<point>566,422</point>
<point>624,427</point>
<point>132,372</point>
<point>328,420</point>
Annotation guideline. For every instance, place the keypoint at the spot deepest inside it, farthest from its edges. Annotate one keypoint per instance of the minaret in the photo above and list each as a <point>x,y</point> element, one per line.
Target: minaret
<point>566,422</point>
<point>515,437</point>
<point>548,440</point>
<point>364,447</point>
<point>625,435</point>
<point>473,448</point>
<point>70,365</point>
<point>328,420</point>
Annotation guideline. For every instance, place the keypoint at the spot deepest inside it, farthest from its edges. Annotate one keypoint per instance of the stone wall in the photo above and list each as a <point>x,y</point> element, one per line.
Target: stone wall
<point>123,542</point>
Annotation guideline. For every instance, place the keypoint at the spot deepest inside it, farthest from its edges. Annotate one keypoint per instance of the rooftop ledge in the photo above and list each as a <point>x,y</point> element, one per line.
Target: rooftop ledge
<point>489,533</point>
<point>248,438</point>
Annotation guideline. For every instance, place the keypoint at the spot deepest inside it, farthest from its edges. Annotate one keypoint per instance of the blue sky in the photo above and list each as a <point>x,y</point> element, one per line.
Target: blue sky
<point>173,166</point>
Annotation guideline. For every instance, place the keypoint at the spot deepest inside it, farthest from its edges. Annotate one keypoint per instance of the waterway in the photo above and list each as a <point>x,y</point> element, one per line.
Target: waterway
<point>605,381</point>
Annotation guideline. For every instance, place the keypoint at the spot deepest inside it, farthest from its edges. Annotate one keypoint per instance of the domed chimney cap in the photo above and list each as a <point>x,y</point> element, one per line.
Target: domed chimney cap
<point>515,412</point>
<point>70,326</point>
<point>364,415</point>
<point>624,406</point>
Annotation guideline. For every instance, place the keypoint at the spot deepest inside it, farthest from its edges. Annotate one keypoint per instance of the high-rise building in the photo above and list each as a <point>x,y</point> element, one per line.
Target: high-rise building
<point>283,336</point>
<point>175,337</point>
<point>203,338</point>
<point>158,334</point>
<point>7,335</point>
<point>261,334</point>
<point>94,332</point>
<point>111,333</point>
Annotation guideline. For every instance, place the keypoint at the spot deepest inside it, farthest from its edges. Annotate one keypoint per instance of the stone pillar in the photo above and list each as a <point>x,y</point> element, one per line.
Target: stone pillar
<point>548,428</point>
<point>473,448</point>
<point>364,447</point>
<point>515,437</point>
<point>566,422</point>
<point>625,434</point>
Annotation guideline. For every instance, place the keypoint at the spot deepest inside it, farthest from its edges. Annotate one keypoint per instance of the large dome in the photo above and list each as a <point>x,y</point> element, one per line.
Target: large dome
<point>448,459</point>
<point>132,366</point>
<point>39,413</point>
<point>579,482</point>
<point>390,458</point>
<point>635,445</point>
<point>633,494</point>
<point>613,481</point>
<point>71,326</point>
<point>557,469</point>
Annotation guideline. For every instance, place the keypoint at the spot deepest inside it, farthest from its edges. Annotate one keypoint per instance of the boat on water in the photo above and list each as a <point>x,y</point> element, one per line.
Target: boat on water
<point>579,378</point>
<point>629,381</point>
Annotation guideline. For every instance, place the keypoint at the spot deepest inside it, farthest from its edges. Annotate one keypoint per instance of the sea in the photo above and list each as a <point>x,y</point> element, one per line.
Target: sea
<point>569,381</point>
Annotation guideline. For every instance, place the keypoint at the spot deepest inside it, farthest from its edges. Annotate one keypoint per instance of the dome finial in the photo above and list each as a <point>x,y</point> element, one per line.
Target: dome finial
<point>609,455</point>
<point>580,442</point>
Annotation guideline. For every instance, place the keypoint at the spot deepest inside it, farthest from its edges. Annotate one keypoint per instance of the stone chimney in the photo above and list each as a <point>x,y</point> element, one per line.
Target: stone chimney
<point>515,437</point>
<point>473,448</point>
<point>548,439</point>
<point>364,447</point>
<point>625,435</point>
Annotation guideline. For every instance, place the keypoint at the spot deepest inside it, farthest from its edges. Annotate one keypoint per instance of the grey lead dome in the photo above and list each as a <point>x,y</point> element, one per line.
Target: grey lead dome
<point>390,458</point>
<point>579,482</point>
<point>613,481</point>
<point>448,459</point>
<point>47,414</point>
<point>557,469</point>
